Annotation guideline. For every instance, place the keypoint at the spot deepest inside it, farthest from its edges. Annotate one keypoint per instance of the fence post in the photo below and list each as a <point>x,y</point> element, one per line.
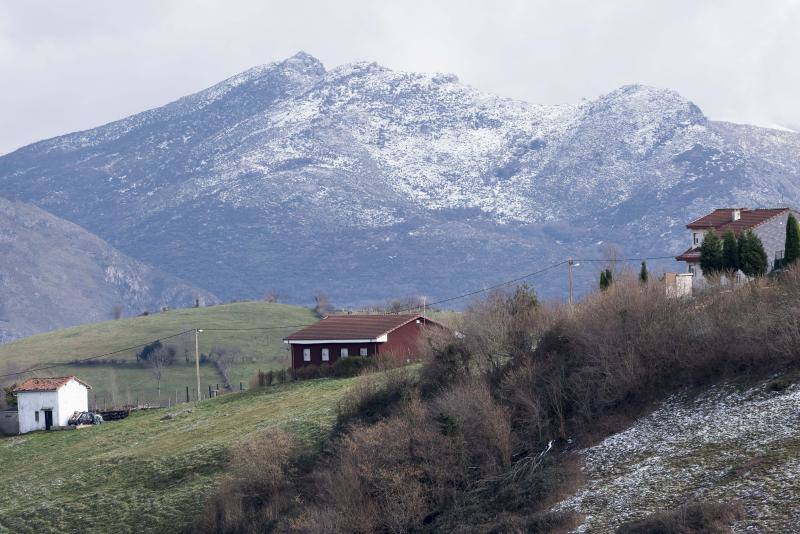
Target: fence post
<point>241,386</point>
<point>187,393</point>
<point>209,391</point>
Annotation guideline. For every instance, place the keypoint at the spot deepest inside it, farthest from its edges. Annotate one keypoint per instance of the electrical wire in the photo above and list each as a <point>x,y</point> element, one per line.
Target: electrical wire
<point>265,328</point>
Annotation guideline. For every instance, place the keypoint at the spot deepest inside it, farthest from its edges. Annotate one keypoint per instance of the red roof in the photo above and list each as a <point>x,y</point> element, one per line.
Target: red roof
<point>346,327</point>
<point>48,384</point>
<point>691,255</point>
<point>721,220</point>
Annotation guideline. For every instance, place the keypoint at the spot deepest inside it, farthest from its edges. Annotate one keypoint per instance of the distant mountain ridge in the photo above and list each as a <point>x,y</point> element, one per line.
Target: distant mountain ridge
<point>55,274</point>
<point>367,183</point>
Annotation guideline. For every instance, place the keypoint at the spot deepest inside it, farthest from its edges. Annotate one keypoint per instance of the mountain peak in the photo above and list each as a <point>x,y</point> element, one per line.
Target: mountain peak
<point>305,62</point>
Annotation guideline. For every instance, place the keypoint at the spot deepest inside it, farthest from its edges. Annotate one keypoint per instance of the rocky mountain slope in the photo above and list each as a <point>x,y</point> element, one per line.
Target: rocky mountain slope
<point>368,183</point>
<point>726,445</point>
<point>54,273</point>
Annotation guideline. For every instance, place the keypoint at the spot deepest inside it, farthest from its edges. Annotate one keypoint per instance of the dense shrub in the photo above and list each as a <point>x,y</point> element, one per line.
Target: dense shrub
<point>483,442</point>
<point>258,488</point>
<point>373,397</point>
<point>694,518</point>
<point>352,366</point>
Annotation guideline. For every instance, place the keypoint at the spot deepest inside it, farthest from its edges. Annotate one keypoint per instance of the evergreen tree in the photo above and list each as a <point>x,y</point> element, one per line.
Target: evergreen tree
<point>730,252</point>
<point>606,279</point>
<point>711,254</point>
<point>643,274</point>
<point>752,258</point>
<point>791,250</point>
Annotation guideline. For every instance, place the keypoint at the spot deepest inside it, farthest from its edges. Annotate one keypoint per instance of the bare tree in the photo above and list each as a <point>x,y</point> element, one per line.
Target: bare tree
<point>322,305</point>
<point>273,295</point>
<point>223,358</point>
<point>158,360</point>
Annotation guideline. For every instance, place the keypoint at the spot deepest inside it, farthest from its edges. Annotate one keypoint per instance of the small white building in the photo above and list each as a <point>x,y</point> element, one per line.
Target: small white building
<point>45,403</point>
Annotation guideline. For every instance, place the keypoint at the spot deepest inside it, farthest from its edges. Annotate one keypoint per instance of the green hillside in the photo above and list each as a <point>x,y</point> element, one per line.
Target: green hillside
<point>153,471</point>
<point>228,325</point>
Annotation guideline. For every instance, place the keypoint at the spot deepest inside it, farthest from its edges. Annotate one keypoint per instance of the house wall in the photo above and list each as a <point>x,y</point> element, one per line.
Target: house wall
<point>402,342</point>
<point>30,402</point>
<point>335,351</point>
<point>773,234</point>
<point>70,398</point>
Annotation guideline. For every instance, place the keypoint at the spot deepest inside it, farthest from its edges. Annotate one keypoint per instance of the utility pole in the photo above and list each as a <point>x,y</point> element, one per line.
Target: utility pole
<point>569,271</point>
<point>197,358</point>
<point>424,303</point>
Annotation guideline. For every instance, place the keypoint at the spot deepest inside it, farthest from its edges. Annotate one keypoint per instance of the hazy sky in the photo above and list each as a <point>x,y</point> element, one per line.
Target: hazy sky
<point>71,65</point>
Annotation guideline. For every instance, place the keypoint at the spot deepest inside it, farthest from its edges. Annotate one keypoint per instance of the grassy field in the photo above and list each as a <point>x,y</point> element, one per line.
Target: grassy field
<point>153,471</point>
<point>123,383</point>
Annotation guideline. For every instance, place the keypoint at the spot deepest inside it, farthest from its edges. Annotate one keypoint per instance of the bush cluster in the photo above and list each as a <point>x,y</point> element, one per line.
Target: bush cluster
<point>481,440</point>
<point>344,368</point>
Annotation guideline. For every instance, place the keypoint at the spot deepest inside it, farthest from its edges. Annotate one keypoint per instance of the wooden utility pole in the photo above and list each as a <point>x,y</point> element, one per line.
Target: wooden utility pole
<point>569,271</point>
<point>197,358</point>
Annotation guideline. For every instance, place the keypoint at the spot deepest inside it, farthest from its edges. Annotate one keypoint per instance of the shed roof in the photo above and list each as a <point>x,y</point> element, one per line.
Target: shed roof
<point>48,384</point>
<point>721,220</point>
<point>350,327</point>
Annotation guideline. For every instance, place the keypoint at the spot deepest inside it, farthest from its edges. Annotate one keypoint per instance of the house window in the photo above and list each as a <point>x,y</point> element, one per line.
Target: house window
<point>306,355</point>
<point>343,353</point>
<point>778,254</point>
<point>691,269</point>
<point>362,351</point>
<point>326,355</point>
<point>695,238</point>
<point>36,416</point>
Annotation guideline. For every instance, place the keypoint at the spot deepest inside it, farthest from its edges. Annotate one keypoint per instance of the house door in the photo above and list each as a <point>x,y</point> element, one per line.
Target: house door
<point>48,419</point>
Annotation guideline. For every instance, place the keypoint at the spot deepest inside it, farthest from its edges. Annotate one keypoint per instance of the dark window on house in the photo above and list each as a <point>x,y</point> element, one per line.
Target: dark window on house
<point>343,353</point>
<point>362,351</point>
<point>326,355</point>
<point>696,239</point>
<point>36,416</point>
<point>306,355</point>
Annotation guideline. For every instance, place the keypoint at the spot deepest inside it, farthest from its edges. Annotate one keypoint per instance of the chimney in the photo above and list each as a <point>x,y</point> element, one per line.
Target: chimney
<point>736,214</point>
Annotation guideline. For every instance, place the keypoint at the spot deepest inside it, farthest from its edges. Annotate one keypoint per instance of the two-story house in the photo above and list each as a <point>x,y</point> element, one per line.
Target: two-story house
<point>768,224</point>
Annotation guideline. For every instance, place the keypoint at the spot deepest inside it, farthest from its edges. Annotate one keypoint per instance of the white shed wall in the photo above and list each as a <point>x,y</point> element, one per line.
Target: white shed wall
<point>70,398</point>
<point>30,402</point>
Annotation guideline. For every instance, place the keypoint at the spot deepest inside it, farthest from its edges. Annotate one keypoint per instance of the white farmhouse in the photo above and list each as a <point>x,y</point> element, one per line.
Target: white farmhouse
<point>44,403</point>
<point>768,224</point>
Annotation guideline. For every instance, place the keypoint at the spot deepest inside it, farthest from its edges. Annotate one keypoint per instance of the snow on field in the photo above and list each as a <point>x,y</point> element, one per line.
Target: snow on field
<point>725,445</point>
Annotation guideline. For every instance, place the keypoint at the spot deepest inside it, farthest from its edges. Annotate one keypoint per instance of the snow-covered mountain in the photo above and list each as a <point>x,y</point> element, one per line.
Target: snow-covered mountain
<point>55,274</point>
<point>367,183</point>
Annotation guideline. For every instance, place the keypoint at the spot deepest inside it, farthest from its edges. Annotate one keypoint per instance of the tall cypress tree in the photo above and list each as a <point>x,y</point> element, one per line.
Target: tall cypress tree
<point>791,250</point>
<point>711,254</point>
<point>606,279</point>
<point>643,274</point>
<point>752,257</point>
<point>730,252</point>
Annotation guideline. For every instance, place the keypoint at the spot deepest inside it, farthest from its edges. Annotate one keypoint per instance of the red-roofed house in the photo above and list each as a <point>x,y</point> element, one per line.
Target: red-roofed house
<point>44,403</point>
<point>341,336</point>
<point>768,224</point>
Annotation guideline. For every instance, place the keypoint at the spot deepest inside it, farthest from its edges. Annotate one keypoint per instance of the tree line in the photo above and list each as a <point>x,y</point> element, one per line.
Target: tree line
<point>745,252</point>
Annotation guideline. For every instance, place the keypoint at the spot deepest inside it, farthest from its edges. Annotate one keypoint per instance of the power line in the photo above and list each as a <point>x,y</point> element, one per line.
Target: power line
<point>95,357</point>
<point>612,260</point>
<point>478,291</point>
<point>265,328</point>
